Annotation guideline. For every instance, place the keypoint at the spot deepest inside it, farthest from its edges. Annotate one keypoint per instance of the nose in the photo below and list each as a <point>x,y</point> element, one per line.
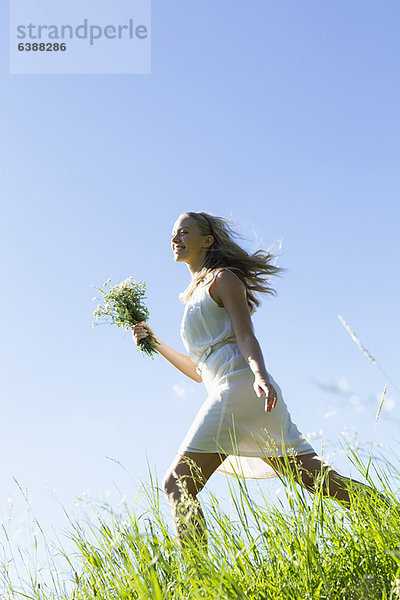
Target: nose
<point>175,239</point>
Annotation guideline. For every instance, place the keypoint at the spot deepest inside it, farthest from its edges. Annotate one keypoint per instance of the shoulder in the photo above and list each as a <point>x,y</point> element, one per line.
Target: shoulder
<point>231,292</point>
<point>227,278</point>
<point>227,287</point>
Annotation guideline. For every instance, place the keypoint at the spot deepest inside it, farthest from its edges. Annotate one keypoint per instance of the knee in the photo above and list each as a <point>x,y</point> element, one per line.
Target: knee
<point>169,484</point>
<point>173,486</point>
<point>176,487</point>
<point>307,480</point>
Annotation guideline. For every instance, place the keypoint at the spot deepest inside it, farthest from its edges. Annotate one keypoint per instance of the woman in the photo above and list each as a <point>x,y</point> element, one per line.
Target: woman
<point>244,425</point>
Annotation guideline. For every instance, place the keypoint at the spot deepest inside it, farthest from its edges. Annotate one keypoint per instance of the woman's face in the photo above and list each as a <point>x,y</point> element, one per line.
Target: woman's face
<point>187,243</point>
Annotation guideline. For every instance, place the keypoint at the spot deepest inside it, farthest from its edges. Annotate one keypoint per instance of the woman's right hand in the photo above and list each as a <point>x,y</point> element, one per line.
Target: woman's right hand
<point>140,331</point>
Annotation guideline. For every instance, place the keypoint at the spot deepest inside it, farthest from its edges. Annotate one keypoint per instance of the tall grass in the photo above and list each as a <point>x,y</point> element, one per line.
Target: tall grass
<point>301,547</point>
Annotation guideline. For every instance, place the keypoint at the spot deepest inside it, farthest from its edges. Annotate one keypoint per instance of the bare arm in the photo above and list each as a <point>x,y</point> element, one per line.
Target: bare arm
<point>183,363</point>
<point>231,293</point>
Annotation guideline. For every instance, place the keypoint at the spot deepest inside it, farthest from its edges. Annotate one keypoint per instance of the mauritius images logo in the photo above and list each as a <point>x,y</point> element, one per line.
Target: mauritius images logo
<point>80,36</point>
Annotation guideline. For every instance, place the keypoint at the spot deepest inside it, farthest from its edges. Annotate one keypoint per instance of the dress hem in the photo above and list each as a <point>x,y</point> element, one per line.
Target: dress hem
<point>247,454</point>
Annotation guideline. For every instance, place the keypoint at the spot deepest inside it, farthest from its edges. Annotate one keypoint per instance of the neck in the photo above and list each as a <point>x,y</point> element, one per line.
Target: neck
<point>195,268</point>
<point>193,272</point>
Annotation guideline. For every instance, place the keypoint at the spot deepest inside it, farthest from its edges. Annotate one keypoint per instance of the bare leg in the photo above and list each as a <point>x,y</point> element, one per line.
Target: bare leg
<point>185,478</point>
<point>308,468</point>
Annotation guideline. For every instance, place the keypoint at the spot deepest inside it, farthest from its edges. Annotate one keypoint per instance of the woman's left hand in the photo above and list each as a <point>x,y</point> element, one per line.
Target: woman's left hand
<point>263,385</point>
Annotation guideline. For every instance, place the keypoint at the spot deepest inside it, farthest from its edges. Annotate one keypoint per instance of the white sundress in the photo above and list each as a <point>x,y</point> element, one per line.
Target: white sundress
<point>232,420</point>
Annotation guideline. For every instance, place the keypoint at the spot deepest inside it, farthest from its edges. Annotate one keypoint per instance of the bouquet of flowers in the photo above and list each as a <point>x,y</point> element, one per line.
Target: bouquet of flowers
<point>123,306</point>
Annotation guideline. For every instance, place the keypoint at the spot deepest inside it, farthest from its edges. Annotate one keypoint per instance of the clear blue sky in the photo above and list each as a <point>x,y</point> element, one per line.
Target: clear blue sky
<point>283,116</point>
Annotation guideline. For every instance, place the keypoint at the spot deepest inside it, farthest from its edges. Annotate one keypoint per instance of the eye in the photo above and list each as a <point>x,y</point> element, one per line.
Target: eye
<point>180,232</point>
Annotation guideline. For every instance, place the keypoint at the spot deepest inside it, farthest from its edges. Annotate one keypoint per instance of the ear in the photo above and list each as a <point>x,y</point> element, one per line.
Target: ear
<point>209,241</point>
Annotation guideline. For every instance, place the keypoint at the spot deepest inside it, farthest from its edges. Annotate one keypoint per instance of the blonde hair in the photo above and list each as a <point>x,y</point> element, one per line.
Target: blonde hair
<point>253,270</point>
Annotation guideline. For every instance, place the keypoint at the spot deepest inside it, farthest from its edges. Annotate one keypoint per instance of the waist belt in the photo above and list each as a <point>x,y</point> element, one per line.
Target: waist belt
<point>209,351</point>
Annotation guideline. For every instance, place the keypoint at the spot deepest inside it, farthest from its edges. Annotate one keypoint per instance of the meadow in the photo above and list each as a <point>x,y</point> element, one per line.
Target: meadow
<point>301,547</point>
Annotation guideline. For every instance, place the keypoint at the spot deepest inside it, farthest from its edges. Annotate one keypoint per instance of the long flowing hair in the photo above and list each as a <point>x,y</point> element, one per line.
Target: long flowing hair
<point>253,270</point>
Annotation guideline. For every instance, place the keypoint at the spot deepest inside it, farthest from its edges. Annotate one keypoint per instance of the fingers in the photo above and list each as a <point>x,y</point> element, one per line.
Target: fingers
<point>271,398</point>
<point>140,331</point>
<point>275,397</point>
